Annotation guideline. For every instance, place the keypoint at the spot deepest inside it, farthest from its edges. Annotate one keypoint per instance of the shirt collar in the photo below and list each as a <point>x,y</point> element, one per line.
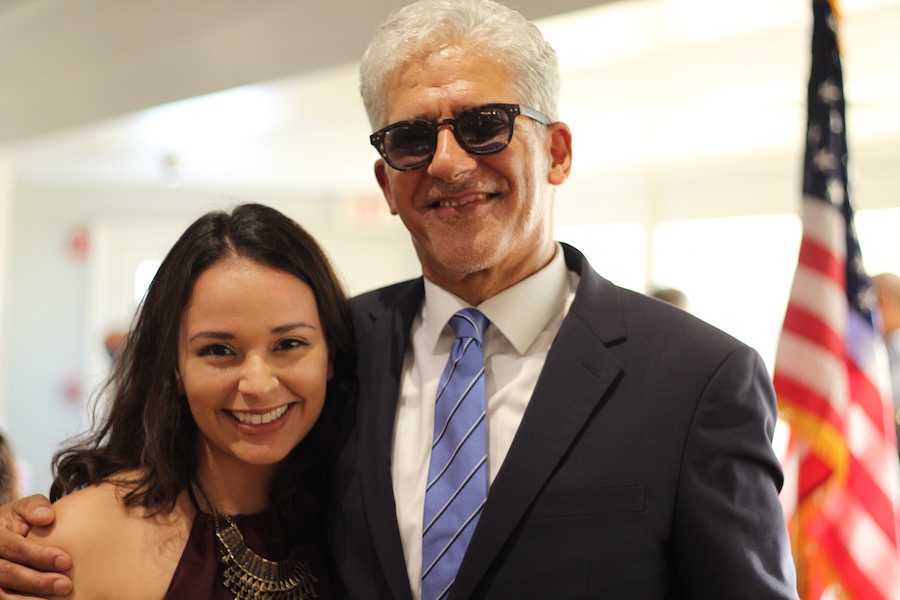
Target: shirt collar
<point>520,312</point>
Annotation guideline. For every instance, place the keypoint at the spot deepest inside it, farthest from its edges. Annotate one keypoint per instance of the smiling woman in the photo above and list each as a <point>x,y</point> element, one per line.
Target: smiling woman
<point>205,476</point>
<point>253,363</point>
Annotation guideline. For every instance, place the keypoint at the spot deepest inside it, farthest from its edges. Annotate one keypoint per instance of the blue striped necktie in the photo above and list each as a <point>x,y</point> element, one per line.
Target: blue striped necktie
<point>457,476</point>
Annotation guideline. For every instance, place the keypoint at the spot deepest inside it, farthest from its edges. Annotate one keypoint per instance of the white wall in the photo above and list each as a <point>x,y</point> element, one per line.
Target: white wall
<point>6,201</point>
<point>43,335</point>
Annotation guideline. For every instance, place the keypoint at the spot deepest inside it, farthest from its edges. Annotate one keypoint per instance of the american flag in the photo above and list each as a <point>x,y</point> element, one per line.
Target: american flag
<point>831,374</point>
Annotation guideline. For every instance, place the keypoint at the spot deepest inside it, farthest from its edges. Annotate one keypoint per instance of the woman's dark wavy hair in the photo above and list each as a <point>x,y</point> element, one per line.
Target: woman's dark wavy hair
<point>147,424</point>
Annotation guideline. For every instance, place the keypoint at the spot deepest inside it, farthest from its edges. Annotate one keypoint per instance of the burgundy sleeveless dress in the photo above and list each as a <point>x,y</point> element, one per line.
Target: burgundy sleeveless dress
<point>200,572</point>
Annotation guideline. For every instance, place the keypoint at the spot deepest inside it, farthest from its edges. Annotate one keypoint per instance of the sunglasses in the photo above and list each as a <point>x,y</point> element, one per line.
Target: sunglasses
<point>485,129</point>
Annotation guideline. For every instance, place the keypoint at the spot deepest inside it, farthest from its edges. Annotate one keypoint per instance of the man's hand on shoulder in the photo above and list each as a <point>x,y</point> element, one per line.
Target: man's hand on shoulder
<point>25,565</point>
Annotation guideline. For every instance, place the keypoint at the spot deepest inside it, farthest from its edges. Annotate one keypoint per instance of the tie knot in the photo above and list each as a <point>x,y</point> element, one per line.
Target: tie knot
<point>469,323</point>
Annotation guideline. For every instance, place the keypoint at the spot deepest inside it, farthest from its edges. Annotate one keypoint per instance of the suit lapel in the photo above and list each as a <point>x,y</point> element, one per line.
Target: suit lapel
<point>384,345</point>
<point>573,383</point>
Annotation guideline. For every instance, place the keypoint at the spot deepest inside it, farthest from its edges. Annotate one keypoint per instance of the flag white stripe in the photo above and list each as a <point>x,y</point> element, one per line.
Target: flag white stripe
<point>873,553</point>
<point>813,367</point>
<point>824,224</point>
<point>819,295</point>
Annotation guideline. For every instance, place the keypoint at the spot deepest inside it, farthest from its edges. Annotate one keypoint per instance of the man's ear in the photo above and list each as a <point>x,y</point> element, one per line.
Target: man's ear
<point>381,175</point>
<point>560,152</point>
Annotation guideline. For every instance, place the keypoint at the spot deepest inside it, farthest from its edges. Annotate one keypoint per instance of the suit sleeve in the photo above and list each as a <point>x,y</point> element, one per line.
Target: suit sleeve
<point>729,532</point>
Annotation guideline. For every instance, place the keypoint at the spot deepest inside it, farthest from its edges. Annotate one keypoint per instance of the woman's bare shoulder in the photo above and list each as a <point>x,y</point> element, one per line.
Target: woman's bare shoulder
<point>108,540</point>
<point>90,512</point>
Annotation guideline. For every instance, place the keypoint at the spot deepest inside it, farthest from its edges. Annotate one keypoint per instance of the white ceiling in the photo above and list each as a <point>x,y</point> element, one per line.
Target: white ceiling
<point>645,82</point>
<point>67,63</point>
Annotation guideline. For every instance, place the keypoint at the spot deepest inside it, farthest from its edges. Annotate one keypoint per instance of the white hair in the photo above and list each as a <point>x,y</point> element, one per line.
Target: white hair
<point>427,26</point>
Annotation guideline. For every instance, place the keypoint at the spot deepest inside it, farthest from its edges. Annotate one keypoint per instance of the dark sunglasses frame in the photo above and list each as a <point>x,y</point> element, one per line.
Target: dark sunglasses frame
<point>512,111</point>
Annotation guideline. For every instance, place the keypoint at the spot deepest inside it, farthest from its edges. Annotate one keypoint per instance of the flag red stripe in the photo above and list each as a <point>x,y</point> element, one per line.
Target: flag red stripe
<point>867,395</point>
<point>813,472</point>
<point>793,393</point>
<point>871,497</point>
<point>809,326</point>
<point>822,260</point>
<point>852,577</point>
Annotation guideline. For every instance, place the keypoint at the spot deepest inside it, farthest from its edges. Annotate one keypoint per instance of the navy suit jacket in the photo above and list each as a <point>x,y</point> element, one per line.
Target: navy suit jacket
<point>642,468</point>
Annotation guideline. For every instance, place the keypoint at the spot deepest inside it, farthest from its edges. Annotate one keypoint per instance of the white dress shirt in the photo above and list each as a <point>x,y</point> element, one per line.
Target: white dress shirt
<point>524,321</point>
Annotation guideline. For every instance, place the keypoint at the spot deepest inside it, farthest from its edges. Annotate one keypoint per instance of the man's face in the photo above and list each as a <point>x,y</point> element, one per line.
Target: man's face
<point>479,223</point>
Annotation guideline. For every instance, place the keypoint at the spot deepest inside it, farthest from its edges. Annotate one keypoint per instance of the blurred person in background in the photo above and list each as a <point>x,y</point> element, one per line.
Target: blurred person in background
<point>673,296</point>
<point>887,288</point>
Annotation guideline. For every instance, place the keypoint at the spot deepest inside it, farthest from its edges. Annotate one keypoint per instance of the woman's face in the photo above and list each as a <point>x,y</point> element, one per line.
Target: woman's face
<point>253,362</point>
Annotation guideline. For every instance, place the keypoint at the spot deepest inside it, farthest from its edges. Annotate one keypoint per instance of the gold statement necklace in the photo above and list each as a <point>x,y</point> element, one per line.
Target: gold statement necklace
<point>249,576</point>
